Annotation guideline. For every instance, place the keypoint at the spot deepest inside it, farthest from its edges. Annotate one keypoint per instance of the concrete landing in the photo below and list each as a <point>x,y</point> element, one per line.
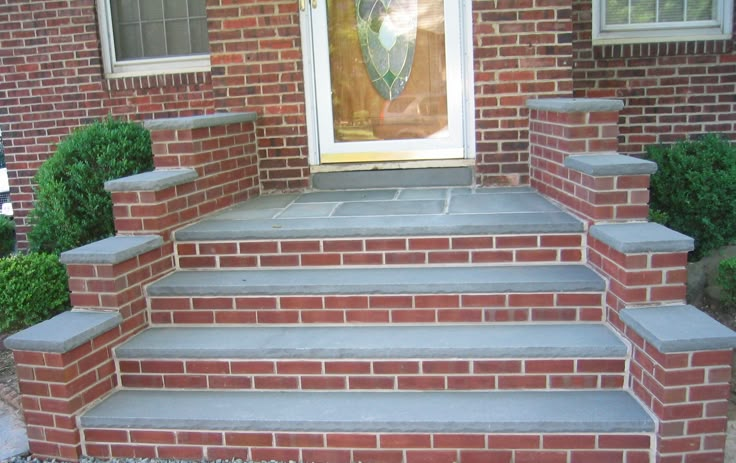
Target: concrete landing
<point>386,212</point>
<point>404,412</point>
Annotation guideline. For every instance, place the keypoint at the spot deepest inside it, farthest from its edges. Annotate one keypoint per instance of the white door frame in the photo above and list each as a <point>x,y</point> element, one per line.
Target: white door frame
<point>464,10</point>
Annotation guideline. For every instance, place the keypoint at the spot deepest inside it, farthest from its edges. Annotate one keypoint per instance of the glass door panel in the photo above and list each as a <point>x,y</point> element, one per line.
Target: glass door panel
<point>394,88</point>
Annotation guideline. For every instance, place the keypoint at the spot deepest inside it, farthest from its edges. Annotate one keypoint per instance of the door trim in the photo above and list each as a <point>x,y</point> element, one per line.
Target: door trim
<point>466,76</point>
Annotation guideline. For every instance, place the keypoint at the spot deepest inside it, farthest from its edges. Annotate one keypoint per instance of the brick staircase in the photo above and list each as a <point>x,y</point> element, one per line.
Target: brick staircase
<point>367,321</point>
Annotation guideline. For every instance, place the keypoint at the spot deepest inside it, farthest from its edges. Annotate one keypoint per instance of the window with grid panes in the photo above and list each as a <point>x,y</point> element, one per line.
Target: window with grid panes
<point>661,20</point>
<point>150,36</point>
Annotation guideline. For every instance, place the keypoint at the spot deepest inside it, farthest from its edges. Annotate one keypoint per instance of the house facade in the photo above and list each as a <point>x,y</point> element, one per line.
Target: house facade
<point>315,270</point>
<point>66,63</point>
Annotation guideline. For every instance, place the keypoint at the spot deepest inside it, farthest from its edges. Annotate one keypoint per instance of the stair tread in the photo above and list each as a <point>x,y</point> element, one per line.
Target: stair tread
<point>443,411</point>
<point>371,342</point>
<point>380,280</point>
<point>387,212</point>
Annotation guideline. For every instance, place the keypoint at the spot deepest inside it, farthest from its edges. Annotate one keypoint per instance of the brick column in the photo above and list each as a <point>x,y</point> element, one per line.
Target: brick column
<point>681,369</point>
<point>65,364</point>
<point>573,160</point>
<point>681,358</point>
<point>203,164</point>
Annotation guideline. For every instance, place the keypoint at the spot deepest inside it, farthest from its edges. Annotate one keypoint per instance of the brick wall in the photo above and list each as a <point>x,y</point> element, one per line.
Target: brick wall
<point>257,65</point>
<point>522,49</point>
<point>670,90</point>
<point>51,81</point>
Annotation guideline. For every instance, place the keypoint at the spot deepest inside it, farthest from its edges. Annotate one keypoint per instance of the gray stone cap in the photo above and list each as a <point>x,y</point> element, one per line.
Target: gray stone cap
<point>391,226</point>
<point>112,250</point>
<point>575,105</point>
<point>678,328</point>
<point>196,122</point>
<point>373,411</point>
<point>380,280</point>
<point>376,342</point>
<point>641,237</point>
<point>602,165</point>
<point>156,180</point>
<point>64,332</point>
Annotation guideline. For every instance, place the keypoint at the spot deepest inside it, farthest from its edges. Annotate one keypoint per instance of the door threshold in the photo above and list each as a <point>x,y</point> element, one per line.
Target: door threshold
<point>425,177</point>
<point>392,165</point>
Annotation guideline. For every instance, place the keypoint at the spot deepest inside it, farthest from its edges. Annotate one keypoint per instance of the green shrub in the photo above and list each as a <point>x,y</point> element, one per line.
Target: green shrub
<point>33,288</point>
<point>727,280</point>
<point>72,208</point>
<point>694,191</point>
<point>7,236</point>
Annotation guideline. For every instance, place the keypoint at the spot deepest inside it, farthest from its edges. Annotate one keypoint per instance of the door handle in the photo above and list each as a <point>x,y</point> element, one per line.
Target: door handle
<point>302,5</point>
<point>314,4</point>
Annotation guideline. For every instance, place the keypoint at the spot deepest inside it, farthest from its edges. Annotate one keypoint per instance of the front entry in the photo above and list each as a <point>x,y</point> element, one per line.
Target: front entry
<point>385,80</point>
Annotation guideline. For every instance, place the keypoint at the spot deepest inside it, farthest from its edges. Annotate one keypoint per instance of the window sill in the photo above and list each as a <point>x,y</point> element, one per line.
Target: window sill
<point>677,47</point>
<point>157,79</point>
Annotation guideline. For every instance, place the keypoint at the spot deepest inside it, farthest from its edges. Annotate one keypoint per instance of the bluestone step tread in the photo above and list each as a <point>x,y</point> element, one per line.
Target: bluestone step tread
<point>348,411</point>
<point>376,342</point>
<point>254,226</point>
<point>380,280</point>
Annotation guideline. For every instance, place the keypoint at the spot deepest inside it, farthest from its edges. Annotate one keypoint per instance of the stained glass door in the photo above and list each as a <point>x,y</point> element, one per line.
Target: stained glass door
<point>388,80</point>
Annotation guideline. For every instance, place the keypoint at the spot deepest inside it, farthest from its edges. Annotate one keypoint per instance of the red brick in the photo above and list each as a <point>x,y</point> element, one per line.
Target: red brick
<point>599,456</point>
<point>326,455</point>
<point>460,441</point>
<point>199,438</point>
<point>364,441</point>
<point>249,439</point>
<point>106,435</point>
<point>153,437</point>
<point>405,441</point>
<point>431,456</point>
<point>278,454</point>
<point>299,440</point>
<point>547,456</point>
<point>566,442</point>
<point>486,456</point>
<point>514,441</point>
<point>623,441</point>
<point>395,367</point>
<point>378,456</point>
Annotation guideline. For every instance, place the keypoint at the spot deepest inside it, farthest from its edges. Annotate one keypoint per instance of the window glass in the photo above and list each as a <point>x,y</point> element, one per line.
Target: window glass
<point>644,20</point>
<point>145,29</point>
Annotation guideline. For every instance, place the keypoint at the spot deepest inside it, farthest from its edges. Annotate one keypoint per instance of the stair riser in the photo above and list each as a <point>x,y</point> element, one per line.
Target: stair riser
<point>369,447</point>
<point>382,251</point>
<point>431,308</point>
<point>480,374</point>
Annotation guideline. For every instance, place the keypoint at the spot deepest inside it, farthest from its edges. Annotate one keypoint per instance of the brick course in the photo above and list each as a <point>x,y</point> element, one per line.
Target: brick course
<point>414,374</point>
<point>382,251</point>
<point>369,447</point>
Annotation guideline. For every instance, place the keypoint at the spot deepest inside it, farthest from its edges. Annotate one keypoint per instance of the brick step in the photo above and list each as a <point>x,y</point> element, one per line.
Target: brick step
<point>326,427</point>
<point>375,357</point>
<point>379,295</point>
<point>417,250</point>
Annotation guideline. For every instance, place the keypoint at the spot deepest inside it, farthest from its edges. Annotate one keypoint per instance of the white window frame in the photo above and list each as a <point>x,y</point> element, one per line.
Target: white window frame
<point>719,29</point>
<point>140,67</point>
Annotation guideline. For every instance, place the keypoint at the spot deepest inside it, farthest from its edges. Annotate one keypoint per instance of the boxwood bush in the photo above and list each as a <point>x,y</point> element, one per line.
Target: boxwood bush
<point>33,288</point>
<point>727,281</point>
<point>7,236</point>
<point>694,191</point>
<point>72,208</point>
